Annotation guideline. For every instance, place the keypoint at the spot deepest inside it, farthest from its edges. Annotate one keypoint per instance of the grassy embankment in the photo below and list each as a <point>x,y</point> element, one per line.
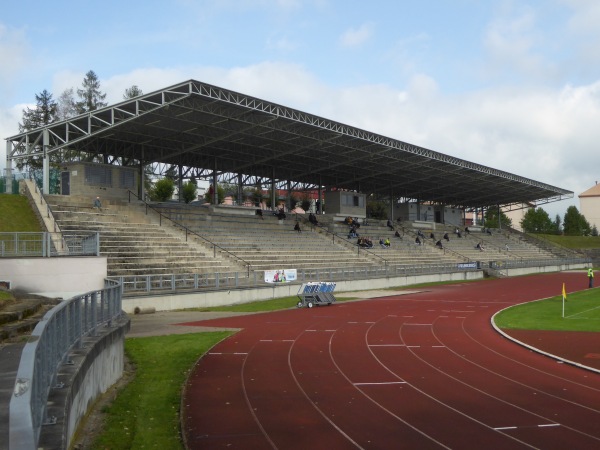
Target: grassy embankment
<point>15,216</point>
<point>572,242</point>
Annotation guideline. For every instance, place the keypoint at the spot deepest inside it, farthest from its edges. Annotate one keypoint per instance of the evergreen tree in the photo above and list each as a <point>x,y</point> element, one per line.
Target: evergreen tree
<point>44,113</point>
<point>575,224</point>
<point>91,98</point>
<point>132,92</point>
<point>490,220</point>
<point>557,225</point>
<point>536,220</point>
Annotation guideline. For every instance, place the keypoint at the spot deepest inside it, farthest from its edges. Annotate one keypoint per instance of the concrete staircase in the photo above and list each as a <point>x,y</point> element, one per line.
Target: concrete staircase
<point>134,243</point>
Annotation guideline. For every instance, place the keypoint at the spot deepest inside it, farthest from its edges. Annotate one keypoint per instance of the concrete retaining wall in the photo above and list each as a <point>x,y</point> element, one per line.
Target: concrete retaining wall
<point>238,296</point>
<point>544,269</point>
<point>55,275</point>
<point>95,368</point>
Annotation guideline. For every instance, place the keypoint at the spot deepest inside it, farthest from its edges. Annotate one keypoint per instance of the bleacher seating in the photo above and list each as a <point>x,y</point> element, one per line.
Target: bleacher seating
<point>223,241</point>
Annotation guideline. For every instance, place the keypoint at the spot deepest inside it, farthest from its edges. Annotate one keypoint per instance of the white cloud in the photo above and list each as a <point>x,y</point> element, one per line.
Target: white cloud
<point>355,37</point>
<point>511,41</point>
<point>14,49</point>
<point>586,16</point>
<point>9,126</point>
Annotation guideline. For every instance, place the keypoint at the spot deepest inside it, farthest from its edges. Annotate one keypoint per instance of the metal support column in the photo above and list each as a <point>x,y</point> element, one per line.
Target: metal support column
<point>213,200</point>
<point>46,163</point>
<point>8,169</point>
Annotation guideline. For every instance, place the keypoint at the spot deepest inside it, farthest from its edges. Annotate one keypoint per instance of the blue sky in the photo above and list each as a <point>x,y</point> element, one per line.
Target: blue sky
<point>514,85</point>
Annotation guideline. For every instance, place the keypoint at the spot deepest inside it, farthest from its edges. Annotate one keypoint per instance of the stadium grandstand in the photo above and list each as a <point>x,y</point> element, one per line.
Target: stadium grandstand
<point>203,132</point>
<point>90,195</point>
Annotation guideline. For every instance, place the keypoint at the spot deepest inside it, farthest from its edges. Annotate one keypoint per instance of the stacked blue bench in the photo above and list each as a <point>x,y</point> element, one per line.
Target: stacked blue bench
<point>316,293</point>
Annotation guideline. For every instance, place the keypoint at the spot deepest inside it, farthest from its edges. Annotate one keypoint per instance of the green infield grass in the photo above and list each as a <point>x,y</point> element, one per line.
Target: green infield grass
<point>581,313</point>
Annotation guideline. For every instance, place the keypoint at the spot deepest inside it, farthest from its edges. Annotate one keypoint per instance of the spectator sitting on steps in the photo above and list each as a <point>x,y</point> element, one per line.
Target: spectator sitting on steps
<point>390,225</point>
<point>438,244</point>
<point>297,227</point>
<point>387,243</point>
<point>397,234</point>
<point>98,204</point>
<point>446,237</point>
<point>280,214</point>
<point>313,219</point>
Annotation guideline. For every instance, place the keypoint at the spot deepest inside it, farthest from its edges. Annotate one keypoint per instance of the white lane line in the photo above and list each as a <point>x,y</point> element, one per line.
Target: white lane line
<point>382,383</point>
<point>387,345</point>
<point>544,425</point>
<point>419,324</point>
<point>322,331</point>
<point>222,353</point>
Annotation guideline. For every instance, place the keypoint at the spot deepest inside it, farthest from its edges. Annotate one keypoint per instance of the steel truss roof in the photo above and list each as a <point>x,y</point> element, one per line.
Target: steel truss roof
<point>205,127</point>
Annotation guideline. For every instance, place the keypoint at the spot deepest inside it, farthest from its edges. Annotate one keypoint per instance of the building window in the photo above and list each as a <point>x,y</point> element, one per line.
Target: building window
<point>126,179</point>
<point>98,176</point>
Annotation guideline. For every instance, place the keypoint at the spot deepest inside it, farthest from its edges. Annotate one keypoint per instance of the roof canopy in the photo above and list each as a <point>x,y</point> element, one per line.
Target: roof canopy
<point>198,125</point>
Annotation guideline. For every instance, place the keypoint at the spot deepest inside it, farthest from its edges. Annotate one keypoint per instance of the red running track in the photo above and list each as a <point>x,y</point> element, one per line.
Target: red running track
<point>416,371</point>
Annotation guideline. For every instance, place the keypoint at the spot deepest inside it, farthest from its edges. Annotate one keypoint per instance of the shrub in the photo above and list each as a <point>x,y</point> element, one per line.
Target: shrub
<point>188,191</point>
<point>163,190</point>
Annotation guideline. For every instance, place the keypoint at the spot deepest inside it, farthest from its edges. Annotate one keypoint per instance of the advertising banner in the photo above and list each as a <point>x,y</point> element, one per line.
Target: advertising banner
<point>280,276</point>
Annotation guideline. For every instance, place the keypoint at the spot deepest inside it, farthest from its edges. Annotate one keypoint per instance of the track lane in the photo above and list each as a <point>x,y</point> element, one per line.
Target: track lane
<point>371,383</point>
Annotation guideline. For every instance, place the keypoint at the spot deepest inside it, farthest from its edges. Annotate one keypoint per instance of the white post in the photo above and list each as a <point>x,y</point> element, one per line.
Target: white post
<point>8,169</point>
<point>46,166</point>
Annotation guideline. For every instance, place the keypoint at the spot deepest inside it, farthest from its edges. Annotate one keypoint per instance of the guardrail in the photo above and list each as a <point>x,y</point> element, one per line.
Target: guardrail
<point>518,264</point>
<point>149,284</point>
<point>60,331</point>
<point>168,283</point>
<point>35,244</point>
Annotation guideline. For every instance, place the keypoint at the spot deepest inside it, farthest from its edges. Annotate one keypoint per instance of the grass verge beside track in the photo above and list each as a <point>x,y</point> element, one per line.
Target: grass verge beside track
<point>581,313</point>
<point>146,413</point>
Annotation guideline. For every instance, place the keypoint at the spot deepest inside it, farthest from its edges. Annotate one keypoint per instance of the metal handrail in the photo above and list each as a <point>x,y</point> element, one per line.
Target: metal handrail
<point>188,231</point>
<point>61,330</point>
